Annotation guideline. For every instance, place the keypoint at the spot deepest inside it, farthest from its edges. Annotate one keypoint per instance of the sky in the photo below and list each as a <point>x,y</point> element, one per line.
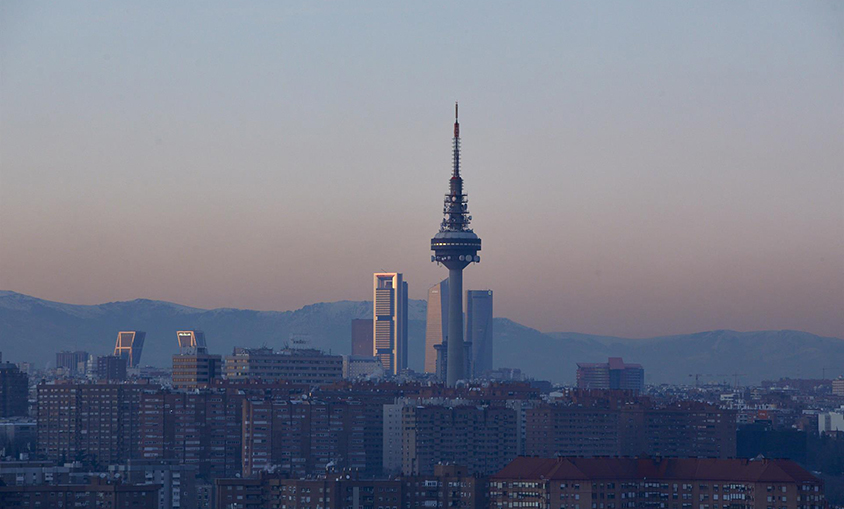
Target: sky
<point>633,168</point>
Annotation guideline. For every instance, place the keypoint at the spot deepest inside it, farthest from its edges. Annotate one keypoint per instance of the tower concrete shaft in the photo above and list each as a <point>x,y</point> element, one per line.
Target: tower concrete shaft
<point>454,367</point>
<point>455,246</point>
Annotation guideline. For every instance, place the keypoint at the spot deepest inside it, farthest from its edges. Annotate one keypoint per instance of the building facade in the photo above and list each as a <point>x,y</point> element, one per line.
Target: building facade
<point>14,391</point>
<point>111,368</point>
<point>297,366</point>
<point>483,438</point>
<point>390,321</point>
<point>73,363</point>
<point>665,483</point>
<point>479,329</point>
<point>613,374</point>
<point>96,424</point>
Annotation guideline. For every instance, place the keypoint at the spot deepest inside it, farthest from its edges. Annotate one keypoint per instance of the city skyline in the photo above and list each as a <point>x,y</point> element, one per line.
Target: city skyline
<point>692,185</point>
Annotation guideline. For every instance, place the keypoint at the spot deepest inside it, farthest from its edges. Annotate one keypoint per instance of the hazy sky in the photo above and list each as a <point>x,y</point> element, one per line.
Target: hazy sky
<point>634,168</point>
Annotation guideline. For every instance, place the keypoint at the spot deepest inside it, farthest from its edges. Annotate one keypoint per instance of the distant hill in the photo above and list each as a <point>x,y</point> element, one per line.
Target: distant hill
<point>33,329</point>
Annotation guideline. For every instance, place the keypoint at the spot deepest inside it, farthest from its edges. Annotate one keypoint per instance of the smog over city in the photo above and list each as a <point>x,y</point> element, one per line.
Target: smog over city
<point>441,254</point>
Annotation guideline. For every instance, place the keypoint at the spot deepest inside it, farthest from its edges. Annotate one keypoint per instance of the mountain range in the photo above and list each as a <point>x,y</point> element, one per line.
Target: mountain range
<point>33,329</point>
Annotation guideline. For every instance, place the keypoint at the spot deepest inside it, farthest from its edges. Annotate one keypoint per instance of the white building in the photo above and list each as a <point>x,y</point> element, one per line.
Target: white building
<point>390,321</point>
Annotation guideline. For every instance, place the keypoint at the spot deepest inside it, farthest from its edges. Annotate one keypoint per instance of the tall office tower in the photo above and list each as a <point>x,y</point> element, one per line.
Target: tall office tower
<point>72,362</point>
<point>455,246</point>
<point>613,374</point>
<point>390,321</point>
<point>129,346</point>
<point>479,329</point>
<point>362,337</point>
<point>14,391</point>
<point>436,325</point>
<point>191,342</point>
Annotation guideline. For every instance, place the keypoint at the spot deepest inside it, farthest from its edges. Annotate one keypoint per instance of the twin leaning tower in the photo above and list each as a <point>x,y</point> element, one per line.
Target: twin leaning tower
<point>455,246</point>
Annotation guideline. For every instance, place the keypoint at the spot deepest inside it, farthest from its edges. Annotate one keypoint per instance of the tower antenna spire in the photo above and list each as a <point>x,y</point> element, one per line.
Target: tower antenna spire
<point>455,246</point>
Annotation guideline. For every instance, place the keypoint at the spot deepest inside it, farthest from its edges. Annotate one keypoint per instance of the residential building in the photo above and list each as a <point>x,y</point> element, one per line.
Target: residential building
<point>297,366</point>
<point>307,437</point>
<point>838,386</point>
<point>195,370</point>
<point>669,483</point>
<point>14,391</point>
<point>129,345</point>
<point>613,374</point>
<point>687,429</point>
<point>436,324</point>
<point>390,321</point>
<point>177,482</point>
<point>111,368</point>
<point>479,329</point>
<point>99,493</point>
<point>483,438</point>
<point>200,428</point>
<point>96,424</point>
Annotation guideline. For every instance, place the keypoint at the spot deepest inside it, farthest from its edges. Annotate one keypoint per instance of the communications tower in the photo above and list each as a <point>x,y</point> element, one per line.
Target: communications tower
<point>455,246</point>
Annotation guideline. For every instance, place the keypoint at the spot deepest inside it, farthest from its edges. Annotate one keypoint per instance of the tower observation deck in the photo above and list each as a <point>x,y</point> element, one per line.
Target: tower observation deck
<point>455,246</point>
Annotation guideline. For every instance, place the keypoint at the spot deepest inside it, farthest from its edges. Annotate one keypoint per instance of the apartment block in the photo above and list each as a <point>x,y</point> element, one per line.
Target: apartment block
<point>483,438</point>
<point>94,423</point>
<point>665,483</point>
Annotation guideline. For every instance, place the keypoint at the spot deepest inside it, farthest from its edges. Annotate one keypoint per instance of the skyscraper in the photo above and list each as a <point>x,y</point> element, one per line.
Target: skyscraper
<point>455,246</point>
<point>129,346</point>
<point>436,325</point>
<point>390,321</point>
<point>362,336</point>
<point>191,342</point>
<point>479,329</point>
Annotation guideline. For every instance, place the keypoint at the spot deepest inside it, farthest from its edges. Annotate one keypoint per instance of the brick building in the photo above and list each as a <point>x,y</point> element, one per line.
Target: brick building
<point>483,438</point>
<point>305,437</point>
<point>94,423</point>
<point>593,428</point>
<point>665,483</point>
<point>100,493</point>
<point>194,428</point>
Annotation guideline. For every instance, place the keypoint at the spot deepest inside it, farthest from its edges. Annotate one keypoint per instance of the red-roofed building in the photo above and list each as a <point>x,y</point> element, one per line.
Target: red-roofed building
<point>659,483</point>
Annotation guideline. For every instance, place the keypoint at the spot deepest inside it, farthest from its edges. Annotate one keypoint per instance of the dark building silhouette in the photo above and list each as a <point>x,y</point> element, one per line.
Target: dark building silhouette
<point>72,362</point>
<point>613,374</point>
<point>687,429</point>
<point>455,246</point>
<point>479,329</point>
<point>362,337</point>
<point>14,391</point>
<point>99,493</point>
<point>295,365</point>
<point>111,368</point>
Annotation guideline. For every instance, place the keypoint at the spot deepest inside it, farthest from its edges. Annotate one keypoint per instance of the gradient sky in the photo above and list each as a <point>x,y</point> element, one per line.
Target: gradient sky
<point>634,168</point>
